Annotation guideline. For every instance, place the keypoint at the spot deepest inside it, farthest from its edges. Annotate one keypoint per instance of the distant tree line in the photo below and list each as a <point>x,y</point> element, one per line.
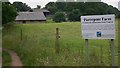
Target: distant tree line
<point>61,11</point>
<point>73,10</point>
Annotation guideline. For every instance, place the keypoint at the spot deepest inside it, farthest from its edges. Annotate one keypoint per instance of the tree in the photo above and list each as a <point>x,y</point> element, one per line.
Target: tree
<point>50,4</point>
<point>61,6</point>
<point>38,6</point>
<point>9,13</point>
<point>87,8</point>
<point>118,16</point>
<point>53,10</point>
<point>21,6</point>
<point>51,7</point>
<point>59,17</point>
<point>74,15</point>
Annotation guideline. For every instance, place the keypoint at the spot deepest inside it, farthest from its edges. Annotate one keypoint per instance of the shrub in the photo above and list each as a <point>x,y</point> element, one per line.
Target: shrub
<point>59,17</point>
<point>74,15</point>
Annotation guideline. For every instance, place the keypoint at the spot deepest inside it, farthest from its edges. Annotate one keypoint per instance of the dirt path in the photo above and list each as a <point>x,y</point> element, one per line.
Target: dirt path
<point>15,59</point>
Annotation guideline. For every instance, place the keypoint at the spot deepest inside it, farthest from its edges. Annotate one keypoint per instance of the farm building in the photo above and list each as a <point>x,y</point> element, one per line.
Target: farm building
<point>29,17</point>
<point>45,11</point>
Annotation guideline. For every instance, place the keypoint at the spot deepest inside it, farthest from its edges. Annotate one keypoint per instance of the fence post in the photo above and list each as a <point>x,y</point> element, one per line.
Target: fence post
<point>57,41</point>
<point>21,34</point>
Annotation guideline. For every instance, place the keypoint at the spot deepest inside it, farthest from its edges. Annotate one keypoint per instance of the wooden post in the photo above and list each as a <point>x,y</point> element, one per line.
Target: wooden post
<point>21,34</point>
<point>87,53</point>
<point>112,51</point>
<point>57,41</point>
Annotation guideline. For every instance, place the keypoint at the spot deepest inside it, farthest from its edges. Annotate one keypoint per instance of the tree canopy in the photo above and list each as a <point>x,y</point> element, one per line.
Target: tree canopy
<point>74,15</point>
<point>59,17</point>
<point>74,10</point>
<point>21,6</point>
<point>9,13</point>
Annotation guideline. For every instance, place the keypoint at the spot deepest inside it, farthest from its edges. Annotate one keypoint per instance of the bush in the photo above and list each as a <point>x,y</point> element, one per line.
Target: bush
<point>59,17</point>
<point>74,15</point>
<point>50,21</point>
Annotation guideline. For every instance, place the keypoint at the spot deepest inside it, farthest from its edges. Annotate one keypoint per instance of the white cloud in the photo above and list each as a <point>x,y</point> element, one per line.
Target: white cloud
<point>33,3</point>
<point>110,0</point>
<point>114,3</point>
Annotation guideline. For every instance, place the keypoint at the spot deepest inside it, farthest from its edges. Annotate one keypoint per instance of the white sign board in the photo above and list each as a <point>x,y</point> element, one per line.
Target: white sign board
<point>98,27</point>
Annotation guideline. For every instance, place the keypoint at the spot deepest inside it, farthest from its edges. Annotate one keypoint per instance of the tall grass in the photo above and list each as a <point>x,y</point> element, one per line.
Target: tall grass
<point>6,59</point>
<point>37,47</point>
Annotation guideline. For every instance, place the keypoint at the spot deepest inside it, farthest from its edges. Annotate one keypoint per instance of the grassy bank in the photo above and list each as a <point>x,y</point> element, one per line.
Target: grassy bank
<point>6,59</point>
<point>37,46</point>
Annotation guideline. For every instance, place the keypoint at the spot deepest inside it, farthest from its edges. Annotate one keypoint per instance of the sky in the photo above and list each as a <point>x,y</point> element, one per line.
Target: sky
<point>34,3</point>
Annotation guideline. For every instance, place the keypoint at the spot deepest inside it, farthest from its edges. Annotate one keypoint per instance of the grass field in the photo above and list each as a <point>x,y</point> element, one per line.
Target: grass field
<point>0,46</point>
<point>37,47</point>
<point>7,60</point>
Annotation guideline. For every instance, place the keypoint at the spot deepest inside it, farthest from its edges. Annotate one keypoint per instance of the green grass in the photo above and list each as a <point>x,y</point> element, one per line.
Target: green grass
<point>38,45</point>
<point>0,46</point>
<point>6,59</point>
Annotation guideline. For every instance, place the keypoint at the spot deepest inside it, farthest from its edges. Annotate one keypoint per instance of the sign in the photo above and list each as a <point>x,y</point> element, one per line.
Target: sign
<point>98,27</point>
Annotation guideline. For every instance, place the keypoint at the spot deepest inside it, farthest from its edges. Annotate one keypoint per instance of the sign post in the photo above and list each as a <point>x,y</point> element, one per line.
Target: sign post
<point>98,27</point>
<point>112,51</point>
<point>87,52</point>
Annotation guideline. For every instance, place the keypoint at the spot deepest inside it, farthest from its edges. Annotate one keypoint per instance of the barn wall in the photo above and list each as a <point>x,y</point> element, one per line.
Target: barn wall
<point>23,22</point>
<point>19,22</point>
